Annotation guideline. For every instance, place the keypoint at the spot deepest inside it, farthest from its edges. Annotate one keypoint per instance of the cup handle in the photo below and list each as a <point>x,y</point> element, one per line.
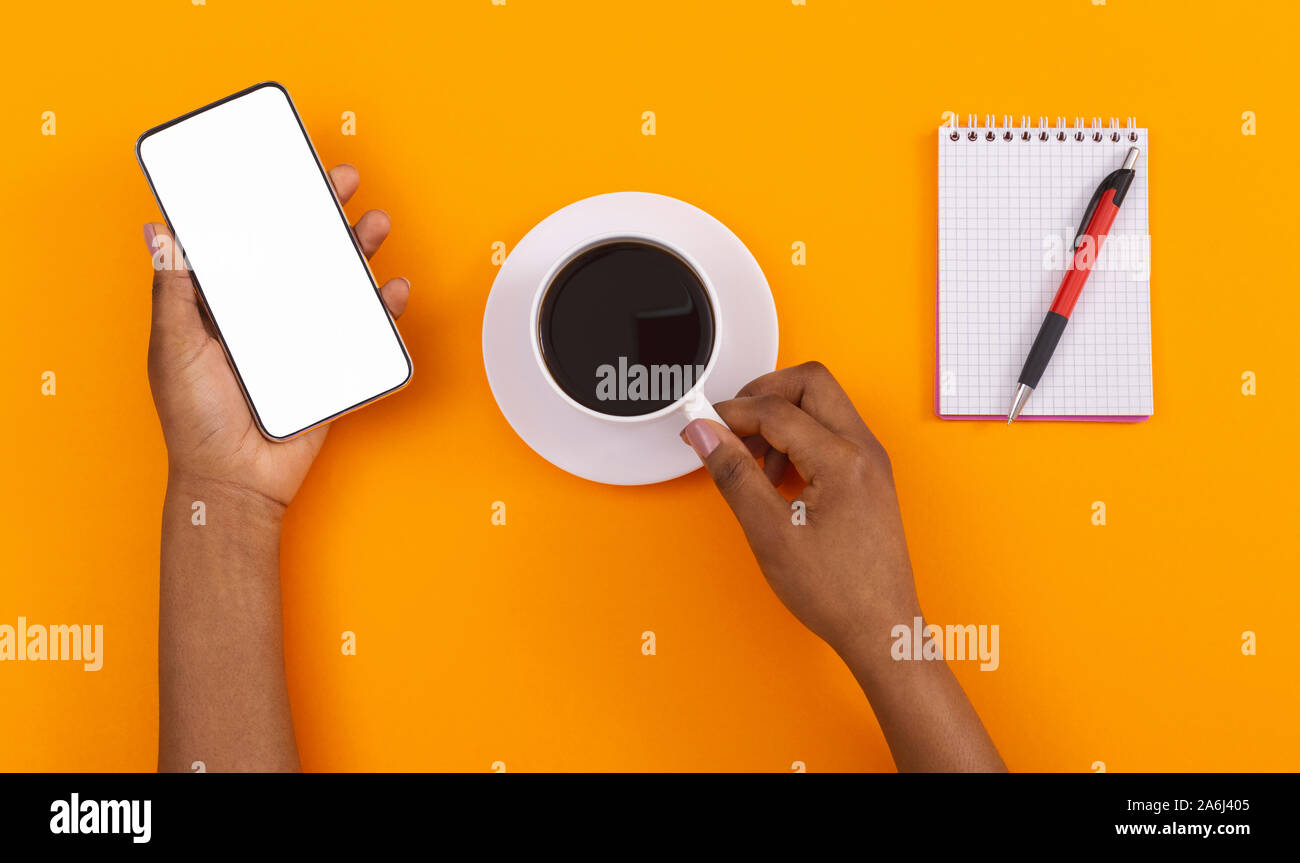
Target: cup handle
<point>696,407</point>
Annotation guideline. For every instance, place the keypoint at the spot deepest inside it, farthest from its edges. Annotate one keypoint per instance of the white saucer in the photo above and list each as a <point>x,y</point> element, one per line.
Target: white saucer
<point>621,453</point>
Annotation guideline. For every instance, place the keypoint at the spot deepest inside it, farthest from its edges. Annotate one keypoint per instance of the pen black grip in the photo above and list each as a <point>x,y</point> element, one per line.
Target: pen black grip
<point>1044,344</point>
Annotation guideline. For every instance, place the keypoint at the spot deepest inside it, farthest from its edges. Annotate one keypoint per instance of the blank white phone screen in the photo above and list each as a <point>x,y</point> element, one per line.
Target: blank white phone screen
<point>288,291</point>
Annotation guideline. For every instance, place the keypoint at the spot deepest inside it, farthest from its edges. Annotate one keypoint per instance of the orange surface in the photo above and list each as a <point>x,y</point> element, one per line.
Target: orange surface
<point>521,643</point>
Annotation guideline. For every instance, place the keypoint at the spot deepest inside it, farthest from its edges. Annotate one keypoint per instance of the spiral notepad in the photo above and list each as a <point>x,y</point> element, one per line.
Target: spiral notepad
<point>1010,202</point>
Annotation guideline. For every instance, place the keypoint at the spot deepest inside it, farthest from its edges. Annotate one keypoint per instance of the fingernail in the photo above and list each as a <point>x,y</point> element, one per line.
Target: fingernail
<point>702,438</point>
<point>148,236</point>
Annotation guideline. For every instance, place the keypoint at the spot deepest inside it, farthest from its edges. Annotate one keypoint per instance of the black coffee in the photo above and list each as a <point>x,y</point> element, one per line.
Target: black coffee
<point>626,328</point>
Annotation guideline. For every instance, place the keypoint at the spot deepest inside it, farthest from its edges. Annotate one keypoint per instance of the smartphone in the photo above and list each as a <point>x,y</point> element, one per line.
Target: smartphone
<point>274,261</point>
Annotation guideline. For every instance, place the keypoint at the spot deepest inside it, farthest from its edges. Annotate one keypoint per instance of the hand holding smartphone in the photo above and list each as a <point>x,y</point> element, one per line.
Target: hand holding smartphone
<point>274,261</point>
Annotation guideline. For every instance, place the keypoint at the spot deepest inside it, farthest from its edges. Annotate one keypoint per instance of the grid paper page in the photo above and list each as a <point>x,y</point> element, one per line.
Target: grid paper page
<point>1008,211</point>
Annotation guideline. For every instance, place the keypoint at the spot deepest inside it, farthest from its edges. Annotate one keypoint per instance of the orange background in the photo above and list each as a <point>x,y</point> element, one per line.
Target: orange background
<point>522,643</point>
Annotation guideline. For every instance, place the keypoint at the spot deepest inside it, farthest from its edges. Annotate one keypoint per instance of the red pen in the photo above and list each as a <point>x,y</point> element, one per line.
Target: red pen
<point>1097,219</point>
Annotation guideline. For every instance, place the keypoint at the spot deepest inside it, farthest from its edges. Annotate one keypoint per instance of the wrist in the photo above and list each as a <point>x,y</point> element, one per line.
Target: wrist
<point>868,646</point>
<point>236,505</point>
<point>221,536</point>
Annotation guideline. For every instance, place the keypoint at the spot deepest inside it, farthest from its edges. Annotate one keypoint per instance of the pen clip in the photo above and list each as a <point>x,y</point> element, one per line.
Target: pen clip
<point>1118,180</point>
<point>1087,214</point>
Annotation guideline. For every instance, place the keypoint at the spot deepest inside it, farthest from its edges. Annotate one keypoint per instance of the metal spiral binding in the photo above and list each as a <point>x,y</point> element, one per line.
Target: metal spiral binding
<point>1095,130</point>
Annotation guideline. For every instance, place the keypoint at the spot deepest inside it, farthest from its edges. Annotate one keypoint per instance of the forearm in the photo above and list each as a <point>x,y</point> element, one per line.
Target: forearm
<point>926,718</point>
<point>222,695</point>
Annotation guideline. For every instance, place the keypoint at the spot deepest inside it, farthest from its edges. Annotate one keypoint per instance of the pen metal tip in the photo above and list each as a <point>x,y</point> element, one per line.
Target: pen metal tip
<point>1131,159</point>
<point>1018,402</point>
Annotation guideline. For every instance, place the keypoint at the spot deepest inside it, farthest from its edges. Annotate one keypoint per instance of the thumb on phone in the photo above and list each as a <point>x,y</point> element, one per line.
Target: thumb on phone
<point>175,305</point>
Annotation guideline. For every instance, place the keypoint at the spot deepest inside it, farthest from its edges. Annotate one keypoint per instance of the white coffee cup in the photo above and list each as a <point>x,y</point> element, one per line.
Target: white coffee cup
<point>692,405</point>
